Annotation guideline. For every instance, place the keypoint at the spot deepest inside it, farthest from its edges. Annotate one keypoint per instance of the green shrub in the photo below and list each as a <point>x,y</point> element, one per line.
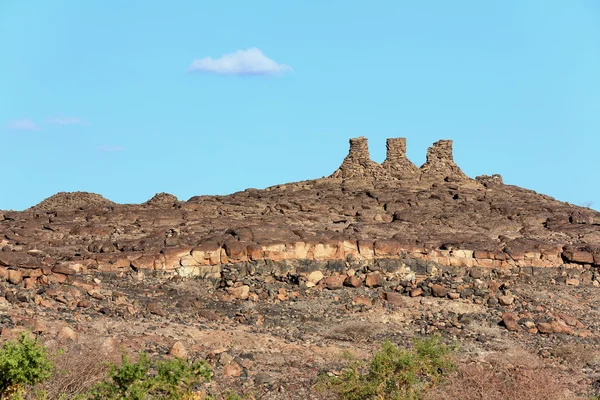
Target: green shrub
<point>22,362</point>
<point>170,379</point>
<point>392,373</point>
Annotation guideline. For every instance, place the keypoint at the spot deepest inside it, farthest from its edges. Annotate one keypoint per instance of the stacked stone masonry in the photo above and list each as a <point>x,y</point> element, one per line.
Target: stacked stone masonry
<point>439,165</point>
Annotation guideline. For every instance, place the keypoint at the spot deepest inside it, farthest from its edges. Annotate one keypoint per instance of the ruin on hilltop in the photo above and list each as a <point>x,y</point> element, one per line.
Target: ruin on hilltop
<point>439,164</point>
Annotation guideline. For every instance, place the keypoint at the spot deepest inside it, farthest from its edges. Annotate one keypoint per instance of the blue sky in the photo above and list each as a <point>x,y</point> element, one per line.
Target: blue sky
<point>127,99</point>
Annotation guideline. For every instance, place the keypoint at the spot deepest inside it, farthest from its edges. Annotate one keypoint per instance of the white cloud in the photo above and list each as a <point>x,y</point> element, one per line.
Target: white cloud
<point>24,124</point>
<point>66,121</point>
<point>110,149</point>
<point>241,62</point>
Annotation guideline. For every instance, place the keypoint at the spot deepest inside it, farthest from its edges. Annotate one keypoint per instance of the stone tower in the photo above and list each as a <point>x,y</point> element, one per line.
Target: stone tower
<point>358,163</point>
<point>396,162</point>
<point>440,163</point>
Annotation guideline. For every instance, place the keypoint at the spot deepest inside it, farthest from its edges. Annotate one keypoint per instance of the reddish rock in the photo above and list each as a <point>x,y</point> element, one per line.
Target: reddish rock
<point>353,281</point>
<point>232,369</point>
<point>416,292</point>
<point>334,282</point>
<point>395,298</point>
<point>235,250</point>
<point>14,277</point>
<point>439,290</point>
<point>384,248</point>
<point>545,327</point>
<point>581,257</point>
<point>374,279</point>
<point>156,309</point>
<point>18,259</point>
<point>64,269</point>
<point>510,321</point>
<point>178,350</point>
<point>254,251</point>
<point>506,300</point>
<point>240,292</point>
<point>362,300</point>
<point>67,334</point>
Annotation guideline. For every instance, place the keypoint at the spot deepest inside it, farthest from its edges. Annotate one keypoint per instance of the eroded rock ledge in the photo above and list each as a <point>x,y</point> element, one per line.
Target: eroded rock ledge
<point>364,212</point>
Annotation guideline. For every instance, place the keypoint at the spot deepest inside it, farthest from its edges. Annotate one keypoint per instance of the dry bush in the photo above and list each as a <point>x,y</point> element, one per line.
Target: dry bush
<point>358,331</point>
<point>515,375</point>
<point>577,355</point>
<point>77,369</point>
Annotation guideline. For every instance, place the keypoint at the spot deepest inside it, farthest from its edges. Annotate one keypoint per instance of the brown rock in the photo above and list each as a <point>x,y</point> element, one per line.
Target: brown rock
<point>387,248</point>
<point>439,290</point>
<point>395,298</point>
<point>282,295</point>
<point>334,282</point>
<point>240,293</point>
<point>353,281</point>
<point>506,300</point>
<point>362,300</point>
<point>232,369</point>
<point>156,309</point>
<point>374,279</point>
<point>178,350</point>
<point>510,321</point>
<point>64,269</point>
<point>67,334</point>
<point>15,277</point>
<point>416,292</point>
<point>545,327</point>
<point>581,257</point>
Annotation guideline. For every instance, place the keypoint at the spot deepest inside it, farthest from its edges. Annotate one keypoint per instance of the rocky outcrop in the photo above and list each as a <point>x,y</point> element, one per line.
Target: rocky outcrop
<point>487,180</point>
<point>442,218</point>
<point>72,201</point>
<point>440,163</point>
<point>163,200</point>
<point>396,162</point>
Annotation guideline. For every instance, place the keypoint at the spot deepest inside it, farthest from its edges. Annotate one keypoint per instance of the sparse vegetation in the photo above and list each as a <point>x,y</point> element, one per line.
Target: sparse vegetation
<point>393,373</point>
<point>515,374</point>
<point>22,363</point>
<point>77,369</point>
<point>144,379</point>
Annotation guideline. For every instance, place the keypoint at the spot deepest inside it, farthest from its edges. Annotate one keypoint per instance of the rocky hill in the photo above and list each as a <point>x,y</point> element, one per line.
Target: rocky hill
<point>363,210</point>
<point>394,231</point>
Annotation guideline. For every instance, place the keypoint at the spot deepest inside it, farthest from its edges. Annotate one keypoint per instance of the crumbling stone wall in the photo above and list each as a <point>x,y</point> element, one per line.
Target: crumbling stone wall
<point>358,163</point>
<point>440,163</point>
<point>396,162</point>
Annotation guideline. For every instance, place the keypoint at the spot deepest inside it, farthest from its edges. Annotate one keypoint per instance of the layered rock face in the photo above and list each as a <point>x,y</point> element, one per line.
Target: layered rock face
<point>435,214</point>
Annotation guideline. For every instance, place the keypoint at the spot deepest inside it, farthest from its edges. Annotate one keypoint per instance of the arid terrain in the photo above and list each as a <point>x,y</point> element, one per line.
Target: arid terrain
<point>274,287</point>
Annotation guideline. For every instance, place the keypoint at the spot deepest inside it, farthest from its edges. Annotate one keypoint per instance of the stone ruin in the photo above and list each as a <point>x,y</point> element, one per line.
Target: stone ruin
<point>396,162</point>
<point>439,164</point>
<point>358,163</point>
